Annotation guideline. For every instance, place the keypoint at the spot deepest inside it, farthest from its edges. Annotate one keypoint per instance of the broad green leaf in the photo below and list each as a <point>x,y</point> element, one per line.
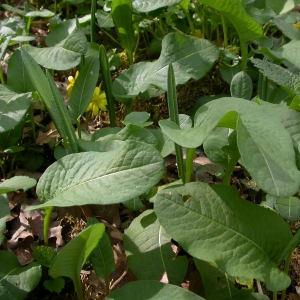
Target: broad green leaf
<point>137,118</point>
<point>191,57</point>
<point>220,286</point>
<point>151,290</point>
<point>241,86</point>
<point>288,208</point>
<point>265,146</point>
<point>133,204</point>
<point>51,97</point>
<point>213,145</point>
<point>105,132</point>
<point>63,56</point>
<point>279,75</point>
<point>16,281</point>
<point>133,168</point>
<point>102,257</point>
<point>228,71</point>
<point>233,10</point>
<point>289,118</point>
<point>14,9</point>
<point>54,285</point>
<point>281,7</point>
<point>147,244</point>
<point>99,146</point>
<point>287,29</point>
<point>215,225</point>
<point>121,12</point>
<point>17,183</point>
<point>145,6</point>
<point>4,215</point>
<point>71,258</point>
<point>104,19</point>
<point>12,107</point>
<point>17,75</point>
<point>11,137</point>
<point>84,87</point>
<point>291,51</point>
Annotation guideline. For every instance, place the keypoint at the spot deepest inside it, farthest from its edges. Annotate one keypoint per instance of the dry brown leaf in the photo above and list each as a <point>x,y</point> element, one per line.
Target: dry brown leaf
<point>51,134</point>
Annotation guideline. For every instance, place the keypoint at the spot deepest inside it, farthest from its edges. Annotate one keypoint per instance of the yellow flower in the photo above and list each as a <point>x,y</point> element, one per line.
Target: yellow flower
<point>71,80</point>
<point>98,102</point>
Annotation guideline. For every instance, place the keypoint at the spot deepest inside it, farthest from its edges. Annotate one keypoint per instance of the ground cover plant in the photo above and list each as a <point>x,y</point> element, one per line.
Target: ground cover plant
<point>224,229</point>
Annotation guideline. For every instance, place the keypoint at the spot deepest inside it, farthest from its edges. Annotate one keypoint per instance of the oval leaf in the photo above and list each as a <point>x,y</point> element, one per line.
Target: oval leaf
<point>151,290</point>
<point>63,56</point>
<point>118,175</point>
<point>241,86</point>
<point>215,225</point>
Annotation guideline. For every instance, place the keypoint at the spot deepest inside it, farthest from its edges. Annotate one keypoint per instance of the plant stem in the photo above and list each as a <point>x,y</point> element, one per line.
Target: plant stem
<point>190,21</point>
<point>244,52</point>
<point>174,117</point>
<point>47,220</point>
<point>78,128</point>
<point>274,295</point>
<point>225,32</point>
<point>190,155</point>
<point>111,37</point>
<point>31,116</point>
<point>203,21</point>
<point>105,72</point>
<point>229,170</point>
<point>93,21</point>
<point>1,75</point>
<point>286,270</point>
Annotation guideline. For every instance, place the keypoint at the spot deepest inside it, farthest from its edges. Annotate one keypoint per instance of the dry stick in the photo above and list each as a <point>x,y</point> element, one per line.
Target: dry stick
<point>118,280</point>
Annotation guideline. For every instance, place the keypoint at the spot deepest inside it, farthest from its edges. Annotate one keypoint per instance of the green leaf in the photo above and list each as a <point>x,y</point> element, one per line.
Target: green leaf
<point>133,167</point>
<point>147,244</point>
<point>191,57</point>
<point>145,6</point>
<point>133,204</point>
<point>63,56</point>
<point>44,255</point>
<point>3,45</point>
<point>213,145</point>
<point>17,75</point>
<point>4,215</point>
<point>220,286</point>
<point>277,74</point>
<point>51,97</point>
<point>16,281</point>
<point>11,137</point>
<point>233,10</point>
<point>281,7</point>
<point>54,285</point>
<point>265,146</point>
<point>287,29</point>
<point>104,19</point>
<point>12,107</point>
<point>84,87</point>
<point>17,183</point>
<point>102,257</point>
<point>43,13</point>
<point>99,146</point>
<point>215,225</point>
<point>151,290</point>
<point>241,86</point>
<point>291,51</point>
<point>121,12</point>
<point>137,118</point>
<point>71,258</point>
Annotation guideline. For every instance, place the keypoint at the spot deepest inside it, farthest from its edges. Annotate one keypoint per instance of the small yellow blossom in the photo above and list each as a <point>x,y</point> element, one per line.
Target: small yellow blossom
<point>297,25</point>
<point>98,102</point>
<point>71,80</point>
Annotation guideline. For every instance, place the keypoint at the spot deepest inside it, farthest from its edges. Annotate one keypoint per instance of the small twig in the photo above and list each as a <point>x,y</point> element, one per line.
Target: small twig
<point>118,280</point>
